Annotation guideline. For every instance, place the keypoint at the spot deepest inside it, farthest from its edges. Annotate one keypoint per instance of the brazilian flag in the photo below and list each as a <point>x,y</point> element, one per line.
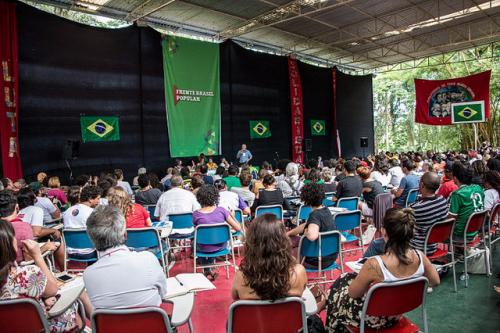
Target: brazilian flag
<point>96,128</point>
<point>318,127</point>
<point>259,129</point>
<point>468,112</point>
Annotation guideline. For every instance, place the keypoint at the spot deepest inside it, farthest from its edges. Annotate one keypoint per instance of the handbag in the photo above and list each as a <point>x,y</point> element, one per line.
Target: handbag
<point>477,264</point>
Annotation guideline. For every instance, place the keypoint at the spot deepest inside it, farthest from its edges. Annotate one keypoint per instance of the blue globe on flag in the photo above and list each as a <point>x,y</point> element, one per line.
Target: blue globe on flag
<point>100,127</point>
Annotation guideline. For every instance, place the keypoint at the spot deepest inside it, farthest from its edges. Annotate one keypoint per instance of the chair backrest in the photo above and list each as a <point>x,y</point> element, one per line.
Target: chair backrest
<point>476,221</point>
<point>277,210</point>
<point>77,239</point>
<point>328,243</point>
<point>350,203</point>
<point>288,315</point>
<point>150,319</point>
<point>327,201</point>
<point>210,234</point>
<point>411,197</point>
<point>395,298</point>
<point>304,212</point>
<point>181,221</point>
<point>143,238</point>
<point>381,204</point>
<point>439,232</point>
<point>494,212</point>
<point>347,220</point>
<point>238,215</point>
<point>22,315</point>
<point>151,211</point>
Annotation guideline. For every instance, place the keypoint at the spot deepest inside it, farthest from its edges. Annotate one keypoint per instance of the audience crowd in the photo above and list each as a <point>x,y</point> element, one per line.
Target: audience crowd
<point>450,184</point>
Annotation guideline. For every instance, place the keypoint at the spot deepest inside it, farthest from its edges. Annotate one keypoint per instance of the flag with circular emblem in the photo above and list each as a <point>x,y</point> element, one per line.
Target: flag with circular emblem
<point>259,129</point>
<point>318,127</point>
<point>468,112</point>
<point>96,128</point>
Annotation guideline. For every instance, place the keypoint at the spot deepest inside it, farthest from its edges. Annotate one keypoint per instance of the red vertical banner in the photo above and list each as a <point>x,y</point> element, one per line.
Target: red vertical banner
<point>297,109</point>
<point>334,108</point>
<point>9,133</point>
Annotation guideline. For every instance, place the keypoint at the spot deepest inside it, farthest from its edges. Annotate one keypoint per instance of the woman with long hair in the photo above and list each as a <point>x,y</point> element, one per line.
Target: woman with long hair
<point>399,262</point>
<point>491,188</point>
<point>136,216</point>
<point>268,271</point>
<point>32,281</point>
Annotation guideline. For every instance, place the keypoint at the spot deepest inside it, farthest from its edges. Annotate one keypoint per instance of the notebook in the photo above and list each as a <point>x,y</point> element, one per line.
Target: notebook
<point>185,283</point>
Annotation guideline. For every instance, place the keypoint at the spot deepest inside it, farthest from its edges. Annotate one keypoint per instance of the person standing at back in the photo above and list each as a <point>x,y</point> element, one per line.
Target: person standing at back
<point>244,155</point>
<point>350,185</point>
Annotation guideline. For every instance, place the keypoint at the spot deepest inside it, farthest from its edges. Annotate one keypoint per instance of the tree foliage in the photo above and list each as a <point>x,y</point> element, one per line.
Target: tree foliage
<point>394,108</point>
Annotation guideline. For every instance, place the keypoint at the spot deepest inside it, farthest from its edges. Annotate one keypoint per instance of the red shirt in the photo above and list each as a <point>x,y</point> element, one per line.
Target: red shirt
<point>447,187</point>
<point>137,218</point>
<point>23,231</point>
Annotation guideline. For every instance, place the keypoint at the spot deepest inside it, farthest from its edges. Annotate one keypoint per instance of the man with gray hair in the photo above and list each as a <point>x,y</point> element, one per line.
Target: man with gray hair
<point>120,278</point>
<point>176,200</point>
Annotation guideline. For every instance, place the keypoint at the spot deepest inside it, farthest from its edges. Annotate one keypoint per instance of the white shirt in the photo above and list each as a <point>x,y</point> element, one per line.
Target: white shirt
<point>126,186</point>
<point>396,175</point>
<point>75,217</point>
<point>125,279</point>
<point>32,215</point>
<point>245,194</point>
<point>490,198</point>
<point>381,178</point>
<point>47,206</point>
<point>229,200</point>
<point>175,201</point>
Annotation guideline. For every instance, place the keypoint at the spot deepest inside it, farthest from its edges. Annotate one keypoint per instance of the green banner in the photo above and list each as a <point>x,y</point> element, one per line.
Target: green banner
<point>468,112</point>
<point>191,71</point>
<point>96,128</point>
<point>259,129</point>
<point>318,127</point>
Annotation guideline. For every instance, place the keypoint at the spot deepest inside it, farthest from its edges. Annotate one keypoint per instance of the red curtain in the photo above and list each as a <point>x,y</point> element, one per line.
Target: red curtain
<point>297,109</point>
<point>9,133</point>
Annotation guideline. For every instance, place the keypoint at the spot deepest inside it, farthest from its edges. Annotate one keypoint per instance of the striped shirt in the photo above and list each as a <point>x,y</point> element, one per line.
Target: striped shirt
<point>427,212</point>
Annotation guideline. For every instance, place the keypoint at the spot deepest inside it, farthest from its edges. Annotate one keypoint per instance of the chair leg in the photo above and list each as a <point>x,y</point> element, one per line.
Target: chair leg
<point>465,267</point>
<point>227,268</point>
<point>190,325</point>
<point>487,260</point>
<point>453,268</point>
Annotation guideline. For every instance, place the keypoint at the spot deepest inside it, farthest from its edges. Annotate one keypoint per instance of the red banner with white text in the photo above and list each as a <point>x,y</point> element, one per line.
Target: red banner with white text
<point>9,133</point>
<point>297,109</point>
<point>434,97</point>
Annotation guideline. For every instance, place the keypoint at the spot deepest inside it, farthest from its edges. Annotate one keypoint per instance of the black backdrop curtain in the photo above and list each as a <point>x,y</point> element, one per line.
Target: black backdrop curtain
<point>68,69</point>
<point>254,86</point>
<point>354,113</point>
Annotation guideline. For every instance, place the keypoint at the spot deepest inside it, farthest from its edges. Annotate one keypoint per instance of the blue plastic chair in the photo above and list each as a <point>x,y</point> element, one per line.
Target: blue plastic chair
<point>349,221</point>
<point>328,243</point>
<point>77,239</point>
<point>148,239</point>
<point>327,201</point>
<point>350,203</point>
<point>151,211</point>
<point>213,234</point>
<point>238,216</point>
<point>277,210</point>
<point>303,214</point>
<point>411,197</point>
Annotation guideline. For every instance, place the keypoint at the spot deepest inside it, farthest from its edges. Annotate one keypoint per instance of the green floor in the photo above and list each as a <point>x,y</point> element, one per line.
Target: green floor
<point>470,310</point>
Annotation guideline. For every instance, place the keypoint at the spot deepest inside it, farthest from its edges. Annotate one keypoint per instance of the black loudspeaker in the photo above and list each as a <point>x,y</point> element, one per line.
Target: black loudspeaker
<point>71,150</point>
<point>363,142</point>
<point>309,144</point>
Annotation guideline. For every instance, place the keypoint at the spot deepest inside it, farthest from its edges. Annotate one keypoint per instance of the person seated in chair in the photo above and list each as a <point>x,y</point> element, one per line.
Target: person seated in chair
<point>244,191</point>
<point>136,216</point>
<point>232,179</point>
<point>398,262</point>
<point>320,220</point>
<point>145,283</point>
<point>270,195</point>
<point>371,188</point>
<point>350,185</point>
<point>409,182</point>
<point>268,271</point>
<point>147,195</point>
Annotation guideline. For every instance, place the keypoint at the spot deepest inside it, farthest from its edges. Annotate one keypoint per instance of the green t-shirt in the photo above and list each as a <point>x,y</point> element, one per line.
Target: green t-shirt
<point>232,181</point>
<point>465,201</point>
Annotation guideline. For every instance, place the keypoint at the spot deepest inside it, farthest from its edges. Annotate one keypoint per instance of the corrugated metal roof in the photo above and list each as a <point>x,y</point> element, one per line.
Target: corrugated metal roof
<point>359,34</point>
